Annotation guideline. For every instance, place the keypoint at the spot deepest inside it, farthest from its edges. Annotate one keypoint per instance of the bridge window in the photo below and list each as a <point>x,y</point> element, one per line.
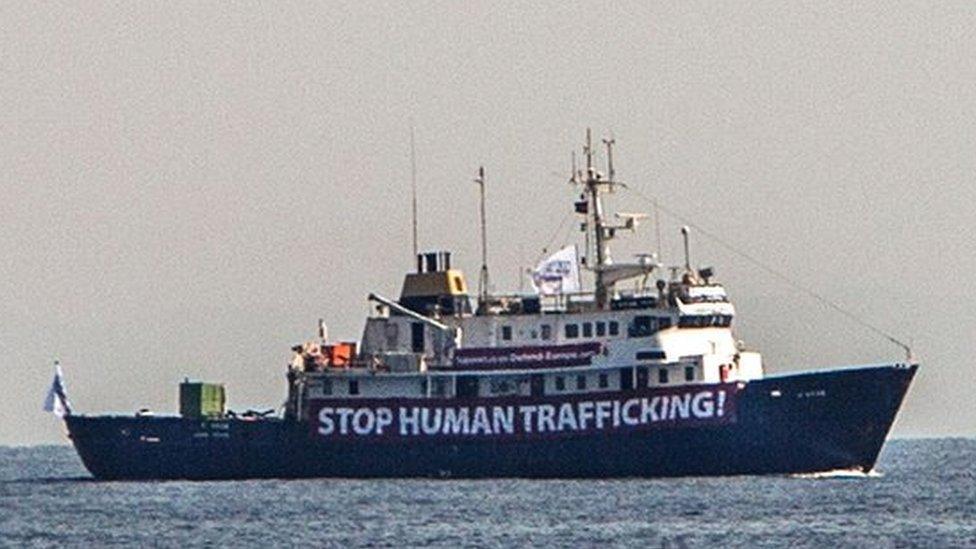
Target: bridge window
<point>626,379</point>
<point>572,331</point>
<point>642,326</point>
<point>690,322</point>
<point>467,386</point>
<point>662,376</point>
<point>581,382</point>
<point>417,337</point>
<point>546,331</point>
<point>503,385</point>
<point>537,385</point>
<point>438,387</point>
<point>604,381</point>
<point>689,373</point>
<point>643,377</point>
<point>705,321</point>
<point>560,383</point>
<point>614,328</point>
<point>507,333</point>
<point>601,329</point>
<point>587,329</point>
<point>650,355</point>
<point>353,386</point>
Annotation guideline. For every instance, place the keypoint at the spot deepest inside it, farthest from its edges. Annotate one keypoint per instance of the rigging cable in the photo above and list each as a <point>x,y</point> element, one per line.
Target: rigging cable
<point>561,229</point>
<point>782,277</point>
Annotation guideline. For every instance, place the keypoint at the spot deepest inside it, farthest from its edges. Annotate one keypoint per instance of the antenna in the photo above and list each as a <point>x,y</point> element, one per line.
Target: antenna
<point>609,143</point>
<point>574,175</point>
<point>483,277</point>
<point>413,188</point>
<point>657,229</point>
<point>684,234</point>
<point>588,150</point>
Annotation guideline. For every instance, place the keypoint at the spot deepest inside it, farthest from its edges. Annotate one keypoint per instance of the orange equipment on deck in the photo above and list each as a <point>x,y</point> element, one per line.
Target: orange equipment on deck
<point>339,355</point>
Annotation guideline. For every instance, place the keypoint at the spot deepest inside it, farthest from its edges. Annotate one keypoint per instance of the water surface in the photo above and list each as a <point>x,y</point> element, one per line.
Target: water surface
<point>922,494</point>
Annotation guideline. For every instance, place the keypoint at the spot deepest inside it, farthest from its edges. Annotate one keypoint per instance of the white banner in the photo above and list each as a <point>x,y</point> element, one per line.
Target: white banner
<point>671,407</point>
<point>558,273</point>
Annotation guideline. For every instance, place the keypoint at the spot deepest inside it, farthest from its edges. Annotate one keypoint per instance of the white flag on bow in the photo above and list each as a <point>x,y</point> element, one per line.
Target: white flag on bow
<point>558,273</point>
<point>57,401</point>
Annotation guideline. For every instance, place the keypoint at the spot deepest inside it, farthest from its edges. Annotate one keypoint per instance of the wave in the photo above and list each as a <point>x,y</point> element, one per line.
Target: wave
<point>841,473</point>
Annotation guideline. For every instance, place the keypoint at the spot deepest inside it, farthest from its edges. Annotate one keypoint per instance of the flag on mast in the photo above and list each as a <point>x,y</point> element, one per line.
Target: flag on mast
<point>558,273</point>
<point>57,401</point>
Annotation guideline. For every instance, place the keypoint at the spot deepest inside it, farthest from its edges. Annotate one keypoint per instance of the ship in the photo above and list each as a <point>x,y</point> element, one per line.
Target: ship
<point>639,374</point>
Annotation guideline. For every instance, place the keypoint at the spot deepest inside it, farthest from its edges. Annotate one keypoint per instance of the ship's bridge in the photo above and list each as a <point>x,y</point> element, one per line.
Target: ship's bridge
<point>702,305</point>
<point>711,293</point>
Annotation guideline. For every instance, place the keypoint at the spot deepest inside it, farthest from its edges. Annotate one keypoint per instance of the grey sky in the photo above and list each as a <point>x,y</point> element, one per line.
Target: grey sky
<point>185,188</point>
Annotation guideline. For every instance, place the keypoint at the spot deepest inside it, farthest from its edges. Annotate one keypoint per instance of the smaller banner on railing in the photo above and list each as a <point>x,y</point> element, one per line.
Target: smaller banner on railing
<point>515,358</point>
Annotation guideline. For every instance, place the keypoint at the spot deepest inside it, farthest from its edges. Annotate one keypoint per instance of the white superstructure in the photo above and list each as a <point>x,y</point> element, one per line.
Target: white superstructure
<point>437,341</point>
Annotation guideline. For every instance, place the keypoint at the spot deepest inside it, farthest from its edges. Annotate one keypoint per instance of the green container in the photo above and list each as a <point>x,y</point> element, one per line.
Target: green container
<point>202,400</point>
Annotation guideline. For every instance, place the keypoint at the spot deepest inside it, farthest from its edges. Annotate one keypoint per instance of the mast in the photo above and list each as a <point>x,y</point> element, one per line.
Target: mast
<point>574,179</point>
<point>413,189</point>
<point>600,232</point>
<point>483,276</point>
<point>593,184</point>
<point>684,236</point>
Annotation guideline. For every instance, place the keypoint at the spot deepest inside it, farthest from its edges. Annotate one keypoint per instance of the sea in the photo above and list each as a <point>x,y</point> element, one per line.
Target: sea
<point>921,494</point>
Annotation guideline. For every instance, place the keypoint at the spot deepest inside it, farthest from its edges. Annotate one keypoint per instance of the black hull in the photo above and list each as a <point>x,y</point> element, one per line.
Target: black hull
<point>800,423</point>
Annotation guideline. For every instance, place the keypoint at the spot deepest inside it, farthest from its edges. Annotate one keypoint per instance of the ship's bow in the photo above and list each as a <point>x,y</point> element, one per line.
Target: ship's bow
<point>836,419</point>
